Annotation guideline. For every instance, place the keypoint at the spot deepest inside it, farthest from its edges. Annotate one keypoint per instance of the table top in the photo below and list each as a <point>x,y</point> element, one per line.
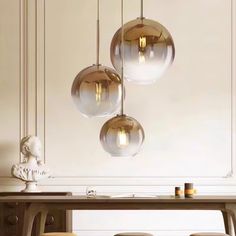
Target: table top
<point>52,198</point>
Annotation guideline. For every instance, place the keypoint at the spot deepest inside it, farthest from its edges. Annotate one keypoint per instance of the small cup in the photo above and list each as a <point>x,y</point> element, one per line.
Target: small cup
<point>178,191</point>
<point>189,191</point>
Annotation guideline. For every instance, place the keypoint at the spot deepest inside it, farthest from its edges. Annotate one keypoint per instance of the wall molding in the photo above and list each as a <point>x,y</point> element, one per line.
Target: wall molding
<point>35,11</point>
<point>23,67</point>
<point>229,175</point>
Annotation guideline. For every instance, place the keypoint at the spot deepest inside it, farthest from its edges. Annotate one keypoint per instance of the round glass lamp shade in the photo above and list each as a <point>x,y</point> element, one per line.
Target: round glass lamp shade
<point>148,50</point>
<point>122,136</point>
<point>96,91</point>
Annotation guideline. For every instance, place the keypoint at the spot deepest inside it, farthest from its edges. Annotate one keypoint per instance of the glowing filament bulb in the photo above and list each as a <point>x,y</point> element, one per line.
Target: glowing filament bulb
<point>98,92</point>
<point>142,43</point>
<point>142,47</point>
<point>122,138</point>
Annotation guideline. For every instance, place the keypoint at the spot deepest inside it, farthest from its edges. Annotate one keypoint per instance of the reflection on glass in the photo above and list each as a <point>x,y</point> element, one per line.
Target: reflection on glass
<point>122,138</point>
<point>98,91</point>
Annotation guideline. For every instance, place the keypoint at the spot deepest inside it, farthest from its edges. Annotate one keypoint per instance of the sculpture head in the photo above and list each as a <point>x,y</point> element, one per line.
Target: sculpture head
<point>30,146</point>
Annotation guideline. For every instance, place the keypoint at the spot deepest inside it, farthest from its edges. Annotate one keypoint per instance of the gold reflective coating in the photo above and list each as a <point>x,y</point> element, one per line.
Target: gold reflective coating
<point>96,91</point>
<point>148,50</point>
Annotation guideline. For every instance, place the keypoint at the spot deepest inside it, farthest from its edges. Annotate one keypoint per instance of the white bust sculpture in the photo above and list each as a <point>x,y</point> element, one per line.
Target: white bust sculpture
<point>31,169</point>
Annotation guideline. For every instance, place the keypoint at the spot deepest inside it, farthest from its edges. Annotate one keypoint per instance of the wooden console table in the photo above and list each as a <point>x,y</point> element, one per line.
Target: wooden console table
<point>43,204</point>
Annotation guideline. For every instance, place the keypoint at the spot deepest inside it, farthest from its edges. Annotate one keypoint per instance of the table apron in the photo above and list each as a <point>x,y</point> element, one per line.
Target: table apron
<point>137,206</point>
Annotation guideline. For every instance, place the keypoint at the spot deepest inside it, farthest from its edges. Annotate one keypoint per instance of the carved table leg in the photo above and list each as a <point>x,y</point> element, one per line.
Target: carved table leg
<point>231,210</point>
<point>29,217</point>
<point>31,211</point>
<point>69,221</point>
<point>42,218</point>
<point>227,223</point>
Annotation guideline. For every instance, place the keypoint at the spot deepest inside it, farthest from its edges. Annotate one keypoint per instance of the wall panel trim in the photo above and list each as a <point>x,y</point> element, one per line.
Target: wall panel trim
<point>40,112</point>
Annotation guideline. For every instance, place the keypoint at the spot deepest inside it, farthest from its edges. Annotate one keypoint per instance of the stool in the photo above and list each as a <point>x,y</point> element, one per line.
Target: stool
<point>133,234</point>
<point>58,234</point>
<point>209,234</point>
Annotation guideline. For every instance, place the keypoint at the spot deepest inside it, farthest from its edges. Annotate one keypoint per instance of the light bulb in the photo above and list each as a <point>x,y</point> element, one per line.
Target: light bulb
<point>122,138</point>
<point>142,48</point>
<point>148,50</point>
<point>142,43</point>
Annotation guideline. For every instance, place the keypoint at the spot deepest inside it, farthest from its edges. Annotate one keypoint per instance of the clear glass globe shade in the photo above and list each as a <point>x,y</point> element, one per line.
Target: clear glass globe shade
<point>148,50</point>
<point>96,91</point>
<point>122,136</point>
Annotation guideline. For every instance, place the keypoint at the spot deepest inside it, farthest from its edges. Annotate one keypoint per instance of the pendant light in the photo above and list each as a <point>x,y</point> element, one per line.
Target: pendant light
<point>96,90</point>
<point>122,135</point>
<point>149,50</point>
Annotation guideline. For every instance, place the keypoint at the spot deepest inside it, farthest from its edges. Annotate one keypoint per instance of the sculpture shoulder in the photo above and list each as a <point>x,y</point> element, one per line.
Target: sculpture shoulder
<point>27,172</point>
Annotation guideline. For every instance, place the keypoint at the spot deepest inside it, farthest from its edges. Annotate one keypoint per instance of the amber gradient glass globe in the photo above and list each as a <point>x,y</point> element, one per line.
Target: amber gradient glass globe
<point>148,50</point>
<point>96,91</point>
<point>122,136</point>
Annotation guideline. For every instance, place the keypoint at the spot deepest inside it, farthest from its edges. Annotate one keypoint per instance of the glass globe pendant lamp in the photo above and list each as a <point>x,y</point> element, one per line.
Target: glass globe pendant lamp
<point>96,90</point>
<point>122,135</point>
<point>149,50</point>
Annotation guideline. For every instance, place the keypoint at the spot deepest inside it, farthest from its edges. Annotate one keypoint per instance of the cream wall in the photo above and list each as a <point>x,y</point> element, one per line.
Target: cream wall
<point>188,115</point>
